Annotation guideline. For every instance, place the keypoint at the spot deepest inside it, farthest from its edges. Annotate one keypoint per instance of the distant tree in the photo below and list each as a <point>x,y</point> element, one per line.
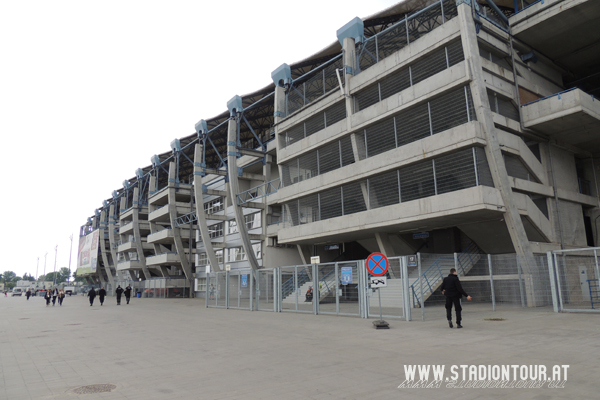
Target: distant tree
<point>28,277</point>
<point>8,277</point>
<point>63,275</point>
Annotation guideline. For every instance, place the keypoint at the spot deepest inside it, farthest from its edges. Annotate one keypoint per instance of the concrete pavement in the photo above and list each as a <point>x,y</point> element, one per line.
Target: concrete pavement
<point>178,349</point>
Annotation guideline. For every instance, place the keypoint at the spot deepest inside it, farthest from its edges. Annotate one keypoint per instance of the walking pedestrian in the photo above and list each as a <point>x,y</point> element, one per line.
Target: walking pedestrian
<point>54,296</point>
<point>128,293</point>
<point>28,293</point>
<point>92,295</point>
<point>452,289</point>
<point>61,296</point>
<point>119,292</point>
<point>47,296</point>
<point>102,295</point>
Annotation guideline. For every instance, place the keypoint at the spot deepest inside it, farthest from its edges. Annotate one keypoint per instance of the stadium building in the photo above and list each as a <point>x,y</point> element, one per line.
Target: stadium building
<point>430,127</point>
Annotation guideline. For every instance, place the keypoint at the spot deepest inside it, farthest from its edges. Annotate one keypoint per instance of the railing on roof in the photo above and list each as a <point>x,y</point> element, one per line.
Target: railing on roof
<point>529,5</point>
<point>402,33</point>
<point>313,85</point>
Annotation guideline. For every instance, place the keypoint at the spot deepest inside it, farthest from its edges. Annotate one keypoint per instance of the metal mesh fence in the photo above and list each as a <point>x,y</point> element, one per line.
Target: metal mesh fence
<point>392,296</point>
<point>404,32</point>
<point>439,114</point>
<point>294,289</point>
<point>576,275</point>
<point>239,289</point>
<point>265,290</point>
<point>447,173</point>
<point>217,289</point>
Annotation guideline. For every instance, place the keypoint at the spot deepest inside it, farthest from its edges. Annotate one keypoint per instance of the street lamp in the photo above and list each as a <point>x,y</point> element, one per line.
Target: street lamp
<point>55,253</point>
<point>70,253</point>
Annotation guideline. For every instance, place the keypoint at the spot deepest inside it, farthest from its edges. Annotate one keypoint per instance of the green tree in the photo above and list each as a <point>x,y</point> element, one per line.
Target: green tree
<point>28,277</point>
<point>8,276</point>
<point>61,276</point>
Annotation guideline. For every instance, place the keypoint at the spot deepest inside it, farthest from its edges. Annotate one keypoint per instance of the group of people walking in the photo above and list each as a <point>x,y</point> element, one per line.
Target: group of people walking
<point>102,294</point>
<point>52,294</point>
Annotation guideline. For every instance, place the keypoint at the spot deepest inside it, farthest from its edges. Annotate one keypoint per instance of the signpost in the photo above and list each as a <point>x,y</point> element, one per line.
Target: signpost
<point>346,275</point>
<point>377,265</point>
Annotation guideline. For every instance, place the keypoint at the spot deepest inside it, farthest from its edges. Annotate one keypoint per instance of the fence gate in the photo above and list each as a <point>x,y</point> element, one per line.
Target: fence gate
<point>295,283</point>
<point>216,285</point>
<point>339,286</point>
<point>265,290</point>
<point>239,289</point>
<point>575,275</point>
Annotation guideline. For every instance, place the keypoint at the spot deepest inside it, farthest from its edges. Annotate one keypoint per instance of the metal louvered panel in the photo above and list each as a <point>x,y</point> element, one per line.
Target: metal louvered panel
<point>354,197</point>
<point>516,168</point>
<point>455,171</point>
<point>507,109</point>
<point>455,53</point>
<point>380,137</point>
<point>289,172</point>
<point>412,124</point>
<point>395,83</point>
<point>335,113</point>
<point>471,106</point>
<point>366,97</point>
<point>314,124</point>
<point>309,209</point>
<point>329,157</point>
<point>291,211</point>
<point>308,166</point>
<point>383,190</point>
<point>416,181</point>
<point>484,175</point>
<point>429,65</point>
<point>448,111</point>
<point>330,201</point>
<point>347,152</point>
<point>294,134</point>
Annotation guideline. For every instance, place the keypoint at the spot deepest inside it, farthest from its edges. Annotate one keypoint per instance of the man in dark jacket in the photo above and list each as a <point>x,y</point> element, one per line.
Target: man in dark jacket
<point>453,291</point>
<point>119,292</point>
<point>128,293</point>
<point>92,296</point>
<point>102,295</point>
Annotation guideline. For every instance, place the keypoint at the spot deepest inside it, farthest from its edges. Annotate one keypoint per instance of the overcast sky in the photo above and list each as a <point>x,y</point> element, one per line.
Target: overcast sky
<point>90,90</point>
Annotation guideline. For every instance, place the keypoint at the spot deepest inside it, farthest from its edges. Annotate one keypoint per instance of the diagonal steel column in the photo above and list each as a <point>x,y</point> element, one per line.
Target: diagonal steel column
<point>107,266</point>
<point>202,225</point>
<point>172,193</point>
<point>137,234</point>
<point>234,189</point>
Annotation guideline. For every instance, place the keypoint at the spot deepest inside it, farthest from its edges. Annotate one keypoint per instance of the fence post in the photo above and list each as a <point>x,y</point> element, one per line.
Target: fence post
<point>558,285</point>
<point>316,291</point>
<point>455,264</point>
<point>405,290</point>
<point>421,286</point>
<point>226,289</point>
<point>492,282</point>
<point>520,282</point>
<point>596,261</point>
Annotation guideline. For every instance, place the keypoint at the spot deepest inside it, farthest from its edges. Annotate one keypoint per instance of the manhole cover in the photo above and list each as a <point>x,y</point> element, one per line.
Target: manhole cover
<point>494,319</point>
<point>105,387</point>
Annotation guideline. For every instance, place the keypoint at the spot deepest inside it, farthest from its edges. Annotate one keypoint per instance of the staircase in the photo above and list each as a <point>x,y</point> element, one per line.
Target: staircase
<point>327,286</point>
<point>435,273</point>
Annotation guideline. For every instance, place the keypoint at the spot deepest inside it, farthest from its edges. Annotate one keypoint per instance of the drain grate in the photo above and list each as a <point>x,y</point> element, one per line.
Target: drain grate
<point>102,388</point>
<point>494,319</point>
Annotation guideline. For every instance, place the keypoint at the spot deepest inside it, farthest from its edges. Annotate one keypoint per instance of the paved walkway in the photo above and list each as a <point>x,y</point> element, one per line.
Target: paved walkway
<point>178,349</point>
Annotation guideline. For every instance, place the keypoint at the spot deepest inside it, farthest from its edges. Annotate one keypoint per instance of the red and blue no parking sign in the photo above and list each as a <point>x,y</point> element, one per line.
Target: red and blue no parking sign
<point>377,264</point>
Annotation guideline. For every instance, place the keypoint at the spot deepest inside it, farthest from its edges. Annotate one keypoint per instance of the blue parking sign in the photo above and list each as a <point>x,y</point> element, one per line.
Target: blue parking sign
<point>244,280</point>
<point>346,275</point>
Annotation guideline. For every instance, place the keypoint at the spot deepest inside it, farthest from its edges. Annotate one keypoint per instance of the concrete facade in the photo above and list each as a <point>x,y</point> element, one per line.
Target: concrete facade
<point>442,121</point>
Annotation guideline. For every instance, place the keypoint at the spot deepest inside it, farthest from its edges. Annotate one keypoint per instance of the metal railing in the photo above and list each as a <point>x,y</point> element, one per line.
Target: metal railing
<point>186,219</point>
<point>552,95</point>
<point>258,192</point>
<point>594,286</point>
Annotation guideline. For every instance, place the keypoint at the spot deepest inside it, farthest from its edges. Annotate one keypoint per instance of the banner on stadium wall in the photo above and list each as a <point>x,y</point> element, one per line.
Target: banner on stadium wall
<point>87,258</point>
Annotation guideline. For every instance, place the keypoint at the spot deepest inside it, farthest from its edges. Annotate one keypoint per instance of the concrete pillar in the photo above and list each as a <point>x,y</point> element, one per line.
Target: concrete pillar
<point>234,188</point>
<point>492,150</point>
<point>112,226</point>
